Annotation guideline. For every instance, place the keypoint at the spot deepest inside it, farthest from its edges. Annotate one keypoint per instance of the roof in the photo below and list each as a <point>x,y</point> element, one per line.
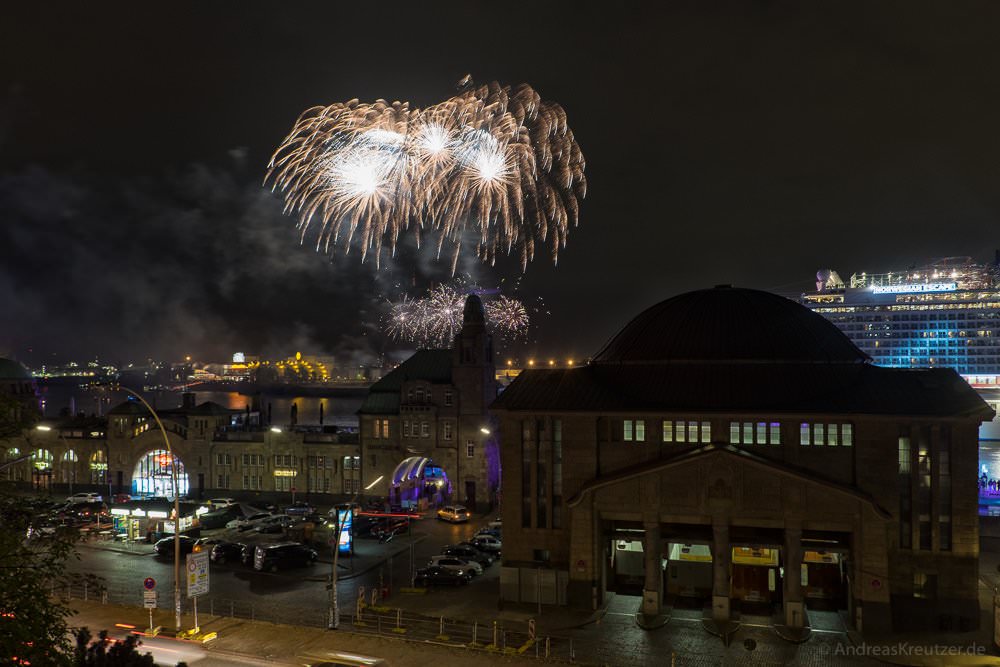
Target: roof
<point>12,370</point>
<point>209,408</point>
<point>729,325</point>
<point>432,366</point>
<point>753,388</point>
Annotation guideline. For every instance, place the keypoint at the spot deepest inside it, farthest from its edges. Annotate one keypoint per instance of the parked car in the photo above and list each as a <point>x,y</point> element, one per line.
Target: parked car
<point>206,543</point>
<point>247,522</point>
<point>486,530</point>
<point>218,503</point>
<point>84,497</point>
<point>273,524</point>
<point>456,564</point>
<point>263,506</point>
<point>227,552</point>
<point>437,575</point>
<point>121,498</point>
<point>85,511</point>
<point>274,557</point>
<point>466,552</point>
<point>165,546</point>
<point>453,513</point>
<point>487,543</point>
<point>496,524</point>
<point>300,508</point>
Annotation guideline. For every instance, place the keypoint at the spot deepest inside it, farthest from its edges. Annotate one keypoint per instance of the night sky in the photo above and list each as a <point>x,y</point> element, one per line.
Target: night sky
<point>751,143</point>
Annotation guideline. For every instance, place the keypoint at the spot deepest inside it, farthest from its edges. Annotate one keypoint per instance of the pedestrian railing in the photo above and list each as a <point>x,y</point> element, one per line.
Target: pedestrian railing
<point>499,637</point>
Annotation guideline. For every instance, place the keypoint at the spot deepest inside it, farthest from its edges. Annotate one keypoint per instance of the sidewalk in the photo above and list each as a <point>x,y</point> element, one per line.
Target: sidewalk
<point>281,644</point>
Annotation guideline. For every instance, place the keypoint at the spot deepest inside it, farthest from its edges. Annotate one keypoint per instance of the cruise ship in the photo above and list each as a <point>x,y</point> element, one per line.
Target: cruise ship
<point>944,314</point>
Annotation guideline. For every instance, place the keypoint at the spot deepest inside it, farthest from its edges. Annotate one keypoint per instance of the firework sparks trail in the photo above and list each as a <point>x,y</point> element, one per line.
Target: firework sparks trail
<point>494,163</point>
<point>435,319</point>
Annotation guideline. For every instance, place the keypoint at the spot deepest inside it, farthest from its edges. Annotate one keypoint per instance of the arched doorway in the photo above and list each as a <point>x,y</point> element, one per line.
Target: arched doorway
<point>41,471</point>
<point>67,471</point>
<point>418,478</point>
<point>153,475</point>
<point>15,471</point>
<point>98,468</point>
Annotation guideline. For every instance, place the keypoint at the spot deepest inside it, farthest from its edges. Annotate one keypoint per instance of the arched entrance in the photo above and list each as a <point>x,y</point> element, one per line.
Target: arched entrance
<point>67,473</point>
<point>153,475</point>
<point>99,468</point>
<point>417,479</point>
<point>41,471</point>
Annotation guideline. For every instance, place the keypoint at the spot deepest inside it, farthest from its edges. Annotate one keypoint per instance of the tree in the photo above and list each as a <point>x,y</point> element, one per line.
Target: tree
<point>16,415</point>
<point>33,625</point>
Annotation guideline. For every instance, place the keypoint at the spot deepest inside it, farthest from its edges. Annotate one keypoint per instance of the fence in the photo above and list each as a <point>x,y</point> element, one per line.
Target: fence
<point>498,637</point>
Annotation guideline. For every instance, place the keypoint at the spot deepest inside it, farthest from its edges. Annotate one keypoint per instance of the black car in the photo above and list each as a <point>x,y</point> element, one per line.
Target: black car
<point>467,552</point>
<point>232,552</point>
<point>165,547</point>
<point>274,557</point>
<point>436,575</point>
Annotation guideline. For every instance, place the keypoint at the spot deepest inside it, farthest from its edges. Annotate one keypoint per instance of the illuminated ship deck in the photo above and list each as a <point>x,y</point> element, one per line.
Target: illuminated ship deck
<point>946,314</point>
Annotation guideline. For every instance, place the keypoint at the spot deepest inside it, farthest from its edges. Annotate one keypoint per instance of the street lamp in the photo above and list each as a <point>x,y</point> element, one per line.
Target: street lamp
<point>177,510</point>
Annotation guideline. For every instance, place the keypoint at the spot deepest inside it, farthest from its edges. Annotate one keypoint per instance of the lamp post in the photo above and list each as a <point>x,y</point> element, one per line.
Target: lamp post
<point>177,510</point>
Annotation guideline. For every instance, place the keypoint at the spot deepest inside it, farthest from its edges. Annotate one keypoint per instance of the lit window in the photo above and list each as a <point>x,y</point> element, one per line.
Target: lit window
<point>761,433</point>
<point>692,431</point>
<point>831,435</point>
<point>470,449</point>
<point>747,432</point>
<point>640,430</point>
<point>680,432</point>
<point>818,437</point>
<point>706,432</point>
<point>734,433</point>
<point>628,426</point>
<point>775,433</point>
<point>847,435</point>
<point>668,431</point>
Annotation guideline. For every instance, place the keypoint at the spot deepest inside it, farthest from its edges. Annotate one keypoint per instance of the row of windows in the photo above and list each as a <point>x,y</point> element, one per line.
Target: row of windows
<point>755,433</point>
<point>742,433</point>
<point>830,435</point>
<point>422,429</point>
<point>380,428</point>
<point>420,395</point>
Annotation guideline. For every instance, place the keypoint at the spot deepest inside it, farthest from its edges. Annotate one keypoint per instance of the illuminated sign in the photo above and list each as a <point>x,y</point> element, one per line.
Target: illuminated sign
<point>239,358</point>
<point>286,473</point>
<point>345,518</point>
<point>910,289</point>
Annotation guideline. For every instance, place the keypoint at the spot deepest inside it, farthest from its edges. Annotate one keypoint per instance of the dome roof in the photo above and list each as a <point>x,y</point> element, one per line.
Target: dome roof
<point>729,325</point>
<point>12,370</point>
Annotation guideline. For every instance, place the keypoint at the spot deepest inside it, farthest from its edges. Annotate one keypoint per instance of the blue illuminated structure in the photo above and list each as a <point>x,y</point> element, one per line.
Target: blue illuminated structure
<point>946,314</point>
<point>345,519</point>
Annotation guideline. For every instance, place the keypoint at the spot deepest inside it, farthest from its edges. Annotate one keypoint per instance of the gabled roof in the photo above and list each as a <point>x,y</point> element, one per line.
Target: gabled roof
<point>210,408</point>
<point>777,388</point>
<point>432,366</point>
<point>725,451</point>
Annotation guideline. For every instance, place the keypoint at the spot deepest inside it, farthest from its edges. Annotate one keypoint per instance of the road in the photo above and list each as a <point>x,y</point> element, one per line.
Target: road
<point>292,596</point>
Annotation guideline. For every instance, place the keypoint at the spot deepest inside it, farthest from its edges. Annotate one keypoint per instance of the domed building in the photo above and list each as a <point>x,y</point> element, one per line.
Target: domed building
<point>730,446</point>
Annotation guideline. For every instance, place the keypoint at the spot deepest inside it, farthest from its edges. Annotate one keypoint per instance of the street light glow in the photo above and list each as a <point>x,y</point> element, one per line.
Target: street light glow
<point>43,427</point>
<point>275,429</point>
<point>484,430</point>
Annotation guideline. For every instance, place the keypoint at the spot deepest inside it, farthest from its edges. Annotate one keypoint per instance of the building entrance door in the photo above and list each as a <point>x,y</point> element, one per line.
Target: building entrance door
<point>470,496</point>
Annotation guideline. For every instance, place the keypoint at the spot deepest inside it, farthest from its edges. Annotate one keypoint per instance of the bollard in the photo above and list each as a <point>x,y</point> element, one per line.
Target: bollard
<point>441,626</point>
<point>572,655</point>
<point>503,647</point>
<point>399,617</point>
<point>547,647</point>
<point>495,638</point>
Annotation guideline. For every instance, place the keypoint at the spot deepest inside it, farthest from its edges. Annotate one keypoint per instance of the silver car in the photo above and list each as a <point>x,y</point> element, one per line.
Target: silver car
<point>457,564</point>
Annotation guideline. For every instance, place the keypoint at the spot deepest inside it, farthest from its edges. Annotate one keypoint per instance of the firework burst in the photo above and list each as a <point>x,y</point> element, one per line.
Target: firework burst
<point>436,318</point>
<point>495,165</point>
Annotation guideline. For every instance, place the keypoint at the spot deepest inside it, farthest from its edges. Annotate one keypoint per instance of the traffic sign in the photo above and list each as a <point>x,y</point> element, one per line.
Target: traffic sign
<point>149,583</point>
<point>149,599</point>
<point>197,573</point>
